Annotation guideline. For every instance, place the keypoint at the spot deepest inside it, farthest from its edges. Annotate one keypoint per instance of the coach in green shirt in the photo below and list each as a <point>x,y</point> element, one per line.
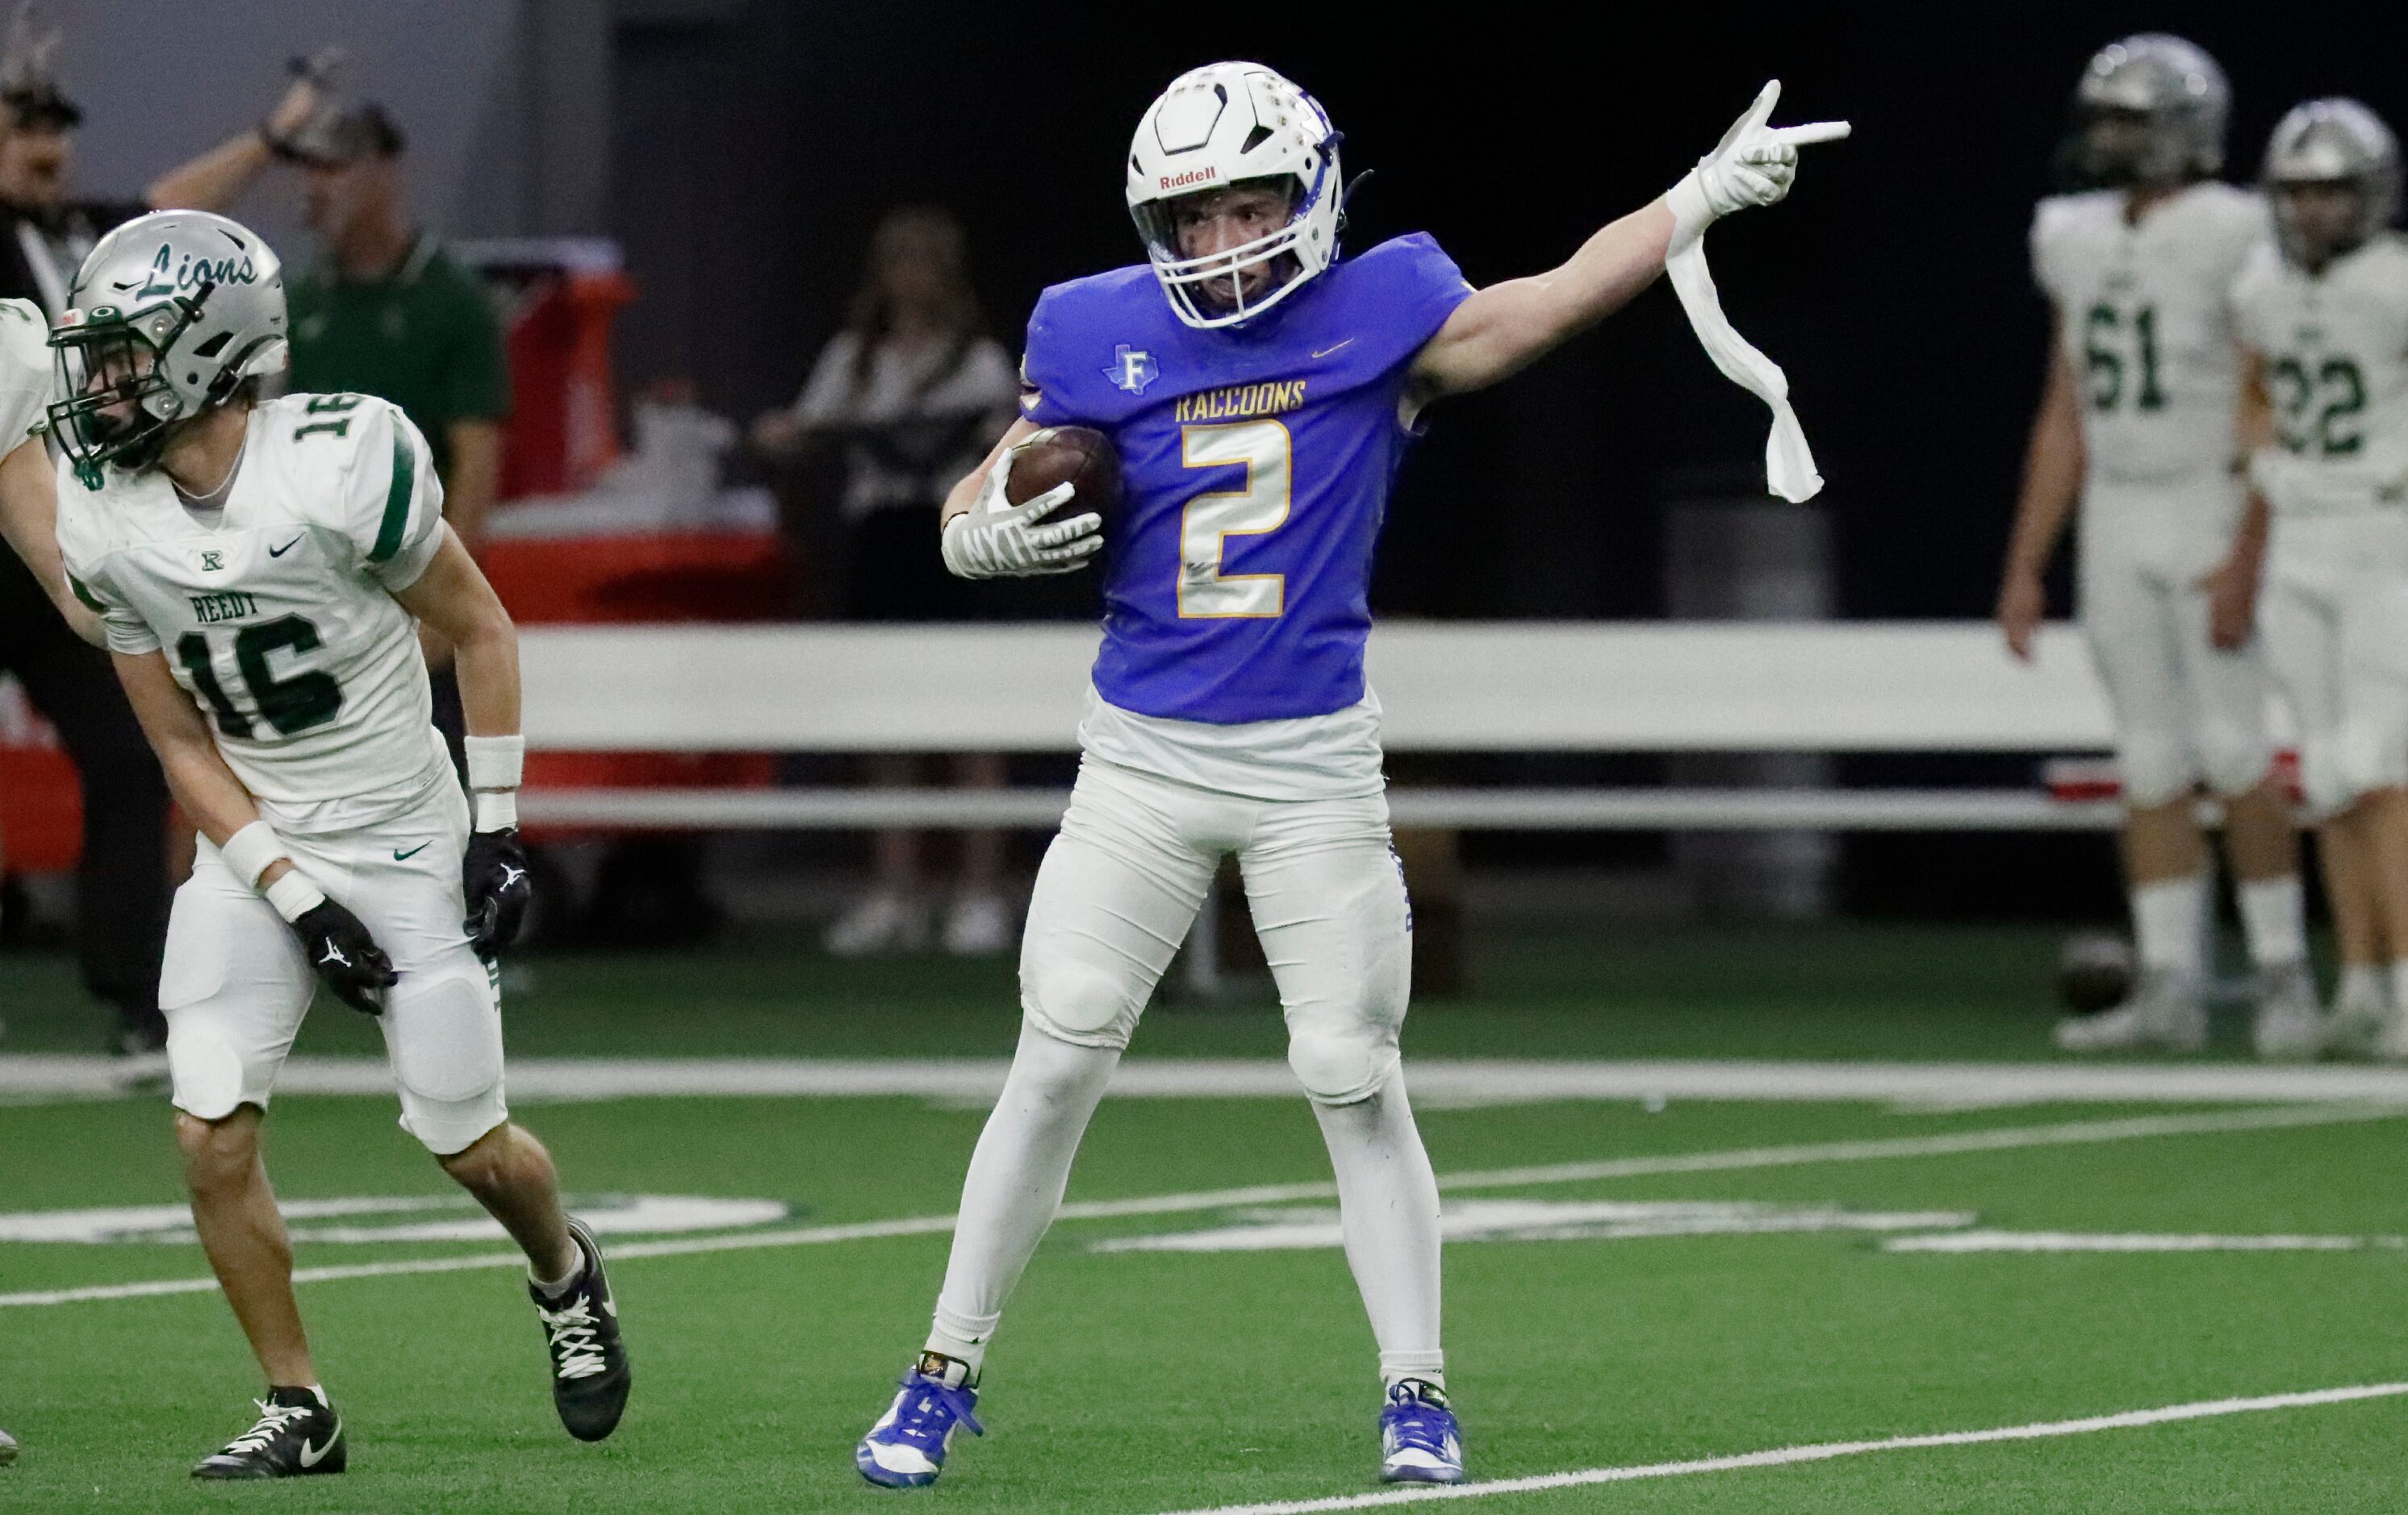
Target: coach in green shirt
<point>386,312</point>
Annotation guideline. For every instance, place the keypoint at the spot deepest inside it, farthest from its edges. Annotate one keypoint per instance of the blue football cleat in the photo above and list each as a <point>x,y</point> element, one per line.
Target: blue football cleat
<point>906,1449</point>
<point>1419,1440</point>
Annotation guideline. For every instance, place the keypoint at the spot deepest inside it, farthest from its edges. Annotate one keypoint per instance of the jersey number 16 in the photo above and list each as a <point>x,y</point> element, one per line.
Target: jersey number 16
<point>291,704</point>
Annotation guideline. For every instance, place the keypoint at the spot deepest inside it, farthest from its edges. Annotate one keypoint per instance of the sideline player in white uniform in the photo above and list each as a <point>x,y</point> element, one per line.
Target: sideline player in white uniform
<point>2137,422</point>
<point>1260,393</point>
<point>2323,314</point>
<point>28,483</point>
<point>259,569</point>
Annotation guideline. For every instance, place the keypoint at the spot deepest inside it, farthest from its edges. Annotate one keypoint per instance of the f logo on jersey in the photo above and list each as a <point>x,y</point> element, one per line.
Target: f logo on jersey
<point>1131,369</point>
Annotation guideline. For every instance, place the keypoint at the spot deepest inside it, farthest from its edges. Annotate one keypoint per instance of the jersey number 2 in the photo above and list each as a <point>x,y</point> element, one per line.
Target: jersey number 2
<point>291,704</point>
<point>1265,450</point>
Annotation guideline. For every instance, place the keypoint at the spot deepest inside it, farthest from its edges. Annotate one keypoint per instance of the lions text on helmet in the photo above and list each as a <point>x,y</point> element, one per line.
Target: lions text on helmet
<point>2150,111</point>
<point>1234,183</point>
<point>167,318</point>
<point>2332,174</point>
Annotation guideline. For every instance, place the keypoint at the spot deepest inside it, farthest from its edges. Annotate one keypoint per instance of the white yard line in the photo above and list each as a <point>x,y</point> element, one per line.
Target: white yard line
<point>1995,1139</point>
<point>1435,1082</point>
<point>2093,1241</point>
<point>1822,1451</point>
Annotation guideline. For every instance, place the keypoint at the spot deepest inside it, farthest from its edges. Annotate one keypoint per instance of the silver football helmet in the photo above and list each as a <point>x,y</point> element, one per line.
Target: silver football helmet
<point>169,315</point>
<point>2182,101</point>
<point>2331,141</point>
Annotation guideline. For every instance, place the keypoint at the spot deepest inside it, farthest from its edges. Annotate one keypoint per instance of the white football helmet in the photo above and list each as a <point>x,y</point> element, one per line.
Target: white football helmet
<point>2335,140</point>
<point>2179,88</point>
<point>167,316</point>
<point>1224,124</point>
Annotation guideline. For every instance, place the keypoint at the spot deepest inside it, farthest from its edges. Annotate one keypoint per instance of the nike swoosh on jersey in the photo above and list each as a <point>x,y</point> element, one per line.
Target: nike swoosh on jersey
<point>400,856</point>
<point>312,1456</point>
<point>1327,351</point>
<point>279,551</point>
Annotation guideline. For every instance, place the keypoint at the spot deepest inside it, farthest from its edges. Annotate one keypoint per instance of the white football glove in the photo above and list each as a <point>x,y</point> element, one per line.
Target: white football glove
<point>1751,166</point>
<point>995,539</point>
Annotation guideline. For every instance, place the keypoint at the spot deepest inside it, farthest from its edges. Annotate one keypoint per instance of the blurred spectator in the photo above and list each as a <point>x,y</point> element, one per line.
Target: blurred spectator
<point>121,884</point>
<point>911,394</point>
<point>385,311</point>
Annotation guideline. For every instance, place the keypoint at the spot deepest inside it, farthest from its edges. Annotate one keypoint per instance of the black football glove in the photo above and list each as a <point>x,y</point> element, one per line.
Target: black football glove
<point>344,956</point>
<point>495,877</point>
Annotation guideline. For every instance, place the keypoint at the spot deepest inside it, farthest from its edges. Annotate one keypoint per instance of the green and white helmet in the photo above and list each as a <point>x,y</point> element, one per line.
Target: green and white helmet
<point>2335,140</point>
<point>2178,90</point>
<point>167,318</point>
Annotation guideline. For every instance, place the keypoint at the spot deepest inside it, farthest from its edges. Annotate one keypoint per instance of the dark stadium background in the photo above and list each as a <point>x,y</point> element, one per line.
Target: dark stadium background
<point>740,151</point>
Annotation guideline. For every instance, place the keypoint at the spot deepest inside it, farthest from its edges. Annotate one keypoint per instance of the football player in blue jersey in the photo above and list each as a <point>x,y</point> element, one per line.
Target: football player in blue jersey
<point>1261,392</point>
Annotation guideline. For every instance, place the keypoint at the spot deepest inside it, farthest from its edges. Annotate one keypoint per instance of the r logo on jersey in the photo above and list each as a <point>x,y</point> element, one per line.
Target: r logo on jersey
<point>1131,369</point>
<point>212,562</point>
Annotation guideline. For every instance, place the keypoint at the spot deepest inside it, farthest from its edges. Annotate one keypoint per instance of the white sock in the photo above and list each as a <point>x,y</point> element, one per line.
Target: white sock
<point>1014,1186</point>
<point>2274,919</point>
<point>1388,1202</point>
<point>555,1288</point>
<point>2398,985</point>
<point>2169,917</point>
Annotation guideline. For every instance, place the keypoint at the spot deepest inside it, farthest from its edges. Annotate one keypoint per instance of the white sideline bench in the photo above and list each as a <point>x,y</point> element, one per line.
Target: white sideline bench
<point>1445,687</point>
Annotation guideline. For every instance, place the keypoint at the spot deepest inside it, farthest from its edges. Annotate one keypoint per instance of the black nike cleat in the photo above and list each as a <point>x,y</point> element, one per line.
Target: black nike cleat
<point>589,1364</point>
<point>298,1432</point>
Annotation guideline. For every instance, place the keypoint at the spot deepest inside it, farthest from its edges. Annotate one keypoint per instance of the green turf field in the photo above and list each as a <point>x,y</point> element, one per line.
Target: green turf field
<point>1158,1358</point>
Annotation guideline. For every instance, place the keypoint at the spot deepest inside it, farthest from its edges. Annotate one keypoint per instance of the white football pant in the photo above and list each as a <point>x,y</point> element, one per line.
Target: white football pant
<point>2335,615</point>
<point>1122,883</point>
<point>236,983</point>
<point>2186,714</point>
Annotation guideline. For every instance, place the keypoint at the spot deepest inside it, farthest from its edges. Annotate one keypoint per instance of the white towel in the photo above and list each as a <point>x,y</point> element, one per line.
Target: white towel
<point>1788,463</point>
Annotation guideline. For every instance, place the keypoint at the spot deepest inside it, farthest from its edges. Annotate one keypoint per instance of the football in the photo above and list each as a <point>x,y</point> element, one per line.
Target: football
<point>1079,455</point>
<point>2094,972</point>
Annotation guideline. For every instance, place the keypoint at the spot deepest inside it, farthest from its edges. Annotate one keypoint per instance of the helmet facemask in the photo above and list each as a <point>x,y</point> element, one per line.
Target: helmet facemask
<point>111,366</point>
<point>1235,127</point>
<point>1232,284</point>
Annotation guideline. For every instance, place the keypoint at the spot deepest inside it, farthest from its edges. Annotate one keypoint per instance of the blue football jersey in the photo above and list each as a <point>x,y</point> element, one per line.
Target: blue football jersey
<point>1255,464</point>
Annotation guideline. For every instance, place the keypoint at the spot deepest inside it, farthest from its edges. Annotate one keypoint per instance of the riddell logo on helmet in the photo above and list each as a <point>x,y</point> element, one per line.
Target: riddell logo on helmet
<point>1194,176</point>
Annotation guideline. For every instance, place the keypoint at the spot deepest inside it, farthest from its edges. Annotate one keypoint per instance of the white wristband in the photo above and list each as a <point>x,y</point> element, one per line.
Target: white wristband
<point>497,809</point>
<point>251,851</point>
<point>495,761</point>
<point>294,896</point>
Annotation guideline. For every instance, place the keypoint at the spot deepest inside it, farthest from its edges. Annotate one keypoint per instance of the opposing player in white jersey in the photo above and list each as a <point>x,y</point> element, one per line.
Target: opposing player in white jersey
<point>2136,422</point>
<point>2323,314</point>
<point>259,569</point>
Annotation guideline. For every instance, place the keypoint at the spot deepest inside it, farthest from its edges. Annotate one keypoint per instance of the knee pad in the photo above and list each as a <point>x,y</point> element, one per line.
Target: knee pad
<point>2323,781</point>
<point>2156,768</point>
<point>205,1068</point>
<point>2236,761</point>
<point>443,1033</point>
<point>1079,1002</point>
<point>2370,755</point>
<point>1340,1067</point>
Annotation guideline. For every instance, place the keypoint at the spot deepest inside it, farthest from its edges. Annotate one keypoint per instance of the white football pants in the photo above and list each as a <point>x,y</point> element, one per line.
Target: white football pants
<point>1119,888</point>
<point>2335,615</point>
<point>236,984</point>
<point>2186,713</point>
